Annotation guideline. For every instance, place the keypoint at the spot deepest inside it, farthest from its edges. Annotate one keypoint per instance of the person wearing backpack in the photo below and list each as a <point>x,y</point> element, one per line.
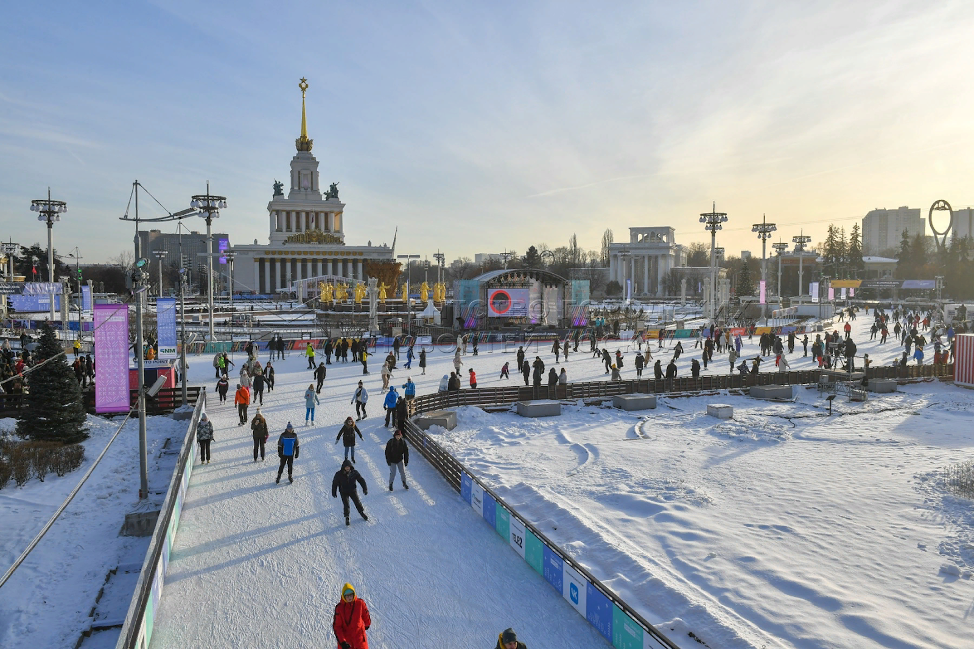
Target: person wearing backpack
<point>288,448</point>
<point>204,436</point>
<point>216,364</point>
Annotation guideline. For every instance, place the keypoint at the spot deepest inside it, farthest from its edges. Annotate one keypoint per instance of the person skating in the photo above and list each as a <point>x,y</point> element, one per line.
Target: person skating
<point>505,370</point>
<point>508,639</point>
<point>258,385</point>
<point>329,348</point>
<point>310,353</point>
<point>310,399</point>
<point>344,483</point>
<point>222,387</point>
<point>269,377</point>
<point>457,362</point>
<point>473,378</point>
<point>364,358</point>
<point>422,360</point>
<point>288,449</point>
<point>351,618</point>
<point>390,405</point>
<point>204,436</point>
<point>386,375</point>
<point>347,435</point>
<point>242,399</point>
<point>397,458</point>
<point>409,358</point>
<point>320,373</point>
<point>409,390</point>
<point>360,399</point>
<point>258,428</point>
<point>638,362</point>
<point>402,413</point>
<point>556,349</point>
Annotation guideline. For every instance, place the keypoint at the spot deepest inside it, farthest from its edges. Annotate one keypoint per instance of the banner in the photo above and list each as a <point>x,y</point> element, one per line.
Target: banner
<point>852,292</point>
<point>842,293</point>
<point>508,303</point>
<point>111,358</point>
<point>85,297</point>
<point>34,303</point>
<point>42,288</point>
<point>628,289</point>
<point>761,292</point>
<point>224,245</point>
<point>166,327</point>
<point>813,291</point>
<point>831,294</point>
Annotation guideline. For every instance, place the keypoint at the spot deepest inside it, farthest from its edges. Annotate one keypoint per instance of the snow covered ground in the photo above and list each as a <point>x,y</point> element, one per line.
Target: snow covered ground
<point>780,527</point>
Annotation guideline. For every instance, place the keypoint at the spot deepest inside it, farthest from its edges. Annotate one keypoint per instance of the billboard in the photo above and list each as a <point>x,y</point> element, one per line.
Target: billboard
<point>111,359</point>
<point>508,303</point>
<point>166,327</point>
<point>224,246</point>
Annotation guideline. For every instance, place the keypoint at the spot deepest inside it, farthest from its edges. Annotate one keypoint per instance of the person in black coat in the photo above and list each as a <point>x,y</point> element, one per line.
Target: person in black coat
<point>454,383</point>
<point>329,348</point>
<point>397,457</point>
<point>344,483</point>
<point>269,376</point>
<point>695,369</point>
<point>348,431</point>
<point>258,385</point>
<point>319,374</point>
<point>639,365</point>
<point>402,413</point>
<point>658,370</point>
<point>526,371</point>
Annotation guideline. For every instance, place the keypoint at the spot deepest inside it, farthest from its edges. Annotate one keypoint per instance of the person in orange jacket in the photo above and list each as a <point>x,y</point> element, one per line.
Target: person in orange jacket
<point>351,620</point>
<point>473,378</point>
<point>242,399</point>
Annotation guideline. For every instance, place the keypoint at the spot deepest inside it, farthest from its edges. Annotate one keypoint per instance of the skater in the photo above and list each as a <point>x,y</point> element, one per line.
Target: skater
<point>351,614</point>
<point>475,339</point>
<point>390,405</point>
<point>344,482</point>
<point>402,413</point>
<point>409,358</point>
<point>269,376</point>
<point>329,348</point>
<point>242,399</point>
<point>556,349</point>
<point>310,353</point>
<point>258,427</point>
<point>310,399</point>
<point>473,378</point>
<point>565,350</point>
<point>397,457</point>
<point>288,449</point>
<point>386,374</point>
<point>204,436</point>
<point>508,639</point>
<point>422,360</point>
<point>320,373</point>
<point>347,436</point>
<point>409,390</point>
<point>360,398</point>
<point>505,370</point>
<point>526,371</point>
<point>364,358</point>
<point>457,362</point>
<point>520,357</point>
<point>639,365</point>
<point>258,386</point>
<point>222,387</point>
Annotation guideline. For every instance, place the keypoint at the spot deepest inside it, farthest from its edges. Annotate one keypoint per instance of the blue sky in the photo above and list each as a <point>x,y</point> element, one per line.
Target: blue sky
<point>480,127</point>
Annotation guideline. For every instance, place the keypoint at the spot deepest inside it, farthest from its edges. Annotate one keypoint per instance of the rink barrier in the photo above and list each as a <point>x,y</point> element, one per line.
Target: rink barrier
<point>137,628</point>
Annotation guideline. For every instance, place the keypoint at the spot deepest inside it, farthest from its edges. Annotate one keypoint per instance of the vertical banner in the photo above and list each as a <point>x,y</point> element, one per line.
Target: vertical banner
<point>477,498</point>
<point>466,487</point>
<point>85,297</point>
<point>813,291</point>
<point>518,537</point>
<point>224,246</point>
<point>852,292</point>
<point>111,358</point>
<point>831,294</point>
<point>166,327</point>
<point>762,292</point>
<point>628,289</point>
<point>843,292</point>
<point>554,569</point>
<point>598,611</point>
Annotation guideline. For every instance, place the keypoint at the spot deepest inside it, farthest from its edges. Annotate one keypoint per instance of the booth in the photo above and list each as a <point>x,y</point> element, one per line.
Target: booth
<point>964,360</point>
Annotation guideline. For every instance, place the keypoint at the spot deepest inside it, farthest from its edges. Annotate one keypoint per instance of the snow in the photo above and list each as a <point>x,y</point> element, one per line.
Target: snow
<point>780,527</point>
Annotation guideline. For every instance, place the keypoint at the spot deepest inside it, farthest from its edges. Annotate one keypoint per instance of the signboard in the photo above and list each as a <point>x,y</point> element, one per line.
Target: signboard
<point>166,327</point>
<point>111,358</point>
<point>761,292</point>
<point>919,284</point>
<point>508,303</point>
<point>831,294</point>
<point>85,297</point>
<point>881,284</point>
<point>42,288</point>
<point>575,589</point>
<point>813,291</point>
<point>554,569</point>
<point>518,537</point>
<point>33,302</point>
<point>598,611</point>
<point>224,245</point>
<point>477,498</point>
<point>466,484</point>
<point>490,509</point>
<point>846,284</point>
<point>9,288</point>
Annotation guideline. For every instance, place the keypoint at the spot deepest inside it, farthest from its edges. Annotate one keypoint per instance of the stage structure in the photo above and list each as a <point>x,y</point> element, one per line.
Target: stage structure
<point>520,298</point>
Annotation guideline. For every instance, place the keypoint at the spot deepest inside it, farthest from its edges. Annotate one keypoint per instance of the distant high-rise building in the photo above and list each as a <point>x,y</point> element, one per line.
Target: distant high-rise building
<point>481,258</point>
<point>963,225</point>
<point>882,229</point>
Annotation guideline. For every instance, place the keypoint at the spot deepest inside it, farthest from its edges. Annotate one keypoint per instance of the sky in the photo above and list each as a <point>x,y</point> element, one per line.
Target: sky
<point>513,124</point>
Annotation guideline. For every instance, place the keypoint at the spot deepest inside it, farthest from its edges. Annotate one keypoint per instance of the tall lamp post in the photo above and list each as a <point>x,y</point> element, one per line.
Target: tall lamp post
<point>779,247</point>
<point>160,255</point>
<point>140,283</point>
<point>506,255</point>
<point>76,256</point>
<point>713,221</point>
<point>440,259</point>
<point>764,230</point>
<point>209,206</point>
<point>229,256</point>
<point>409,312</point>
<point>800,240</point>
<point>49,210</point>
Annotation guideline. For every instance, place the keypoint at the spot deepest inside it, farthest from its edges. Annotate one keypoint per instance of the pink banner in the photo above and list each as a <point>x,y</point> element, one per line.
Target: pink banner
<point>831,294</point>
<point>111,358</point>
<point>852,292</point>
<point>763,297</point>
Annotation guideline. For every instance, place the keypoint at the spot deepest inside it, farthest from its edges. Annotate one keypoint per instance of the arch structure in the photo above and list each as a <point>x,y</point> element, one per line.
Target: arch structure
<point>522,297</point>
<point>940,237</point>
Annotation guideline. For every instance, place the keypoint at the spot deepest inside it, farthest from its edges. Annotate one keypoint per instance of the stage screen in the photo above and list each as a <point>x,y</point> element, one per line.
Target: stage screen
<point>508,303</point>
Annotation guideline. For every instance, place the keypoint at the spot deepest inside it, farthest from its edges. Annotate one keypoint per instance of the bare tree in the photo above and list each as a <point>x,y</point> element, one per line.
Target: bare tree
<point>606,240</point>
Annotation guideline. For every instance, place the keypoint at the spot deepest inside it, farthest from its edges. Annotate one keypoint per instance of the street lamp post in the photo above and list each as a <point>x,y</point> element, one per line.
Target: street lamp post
<point>76,256</point>
<point>506,255</point>
<point>140,283</point>
<point>779,247</point>
<point>160,255</point>
<point>440,259</point>
<point>800,240</point>
<point>713,221</point>
<point>209,206</point>
<point>49,210</point>
<point>230,257</point>
<point>409,312</point>
<point>764,230</point>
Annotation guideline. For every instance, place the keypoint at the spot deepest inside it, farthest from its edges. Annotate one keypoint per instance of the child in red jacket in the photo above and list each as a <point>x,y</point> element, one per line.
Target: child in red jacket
<point>351,620</point>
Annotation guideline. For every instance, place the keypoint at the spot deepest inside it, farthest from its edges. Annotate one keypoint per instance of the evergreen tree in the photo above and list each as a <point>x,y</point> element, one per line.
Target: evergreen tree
<point>854,255</point>
<point>744,285</point>
<point>53,410</point>
<point>532,259</point>
<point>904,261</point>
<point>842,255</point>
<point>919,258</point>
<point>831,253</point>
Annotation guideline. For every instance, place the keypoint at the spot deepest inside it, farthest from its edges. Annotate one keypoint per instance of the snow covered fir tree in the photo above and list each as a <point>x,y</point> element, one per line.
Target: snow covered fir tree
<point>53,410</point>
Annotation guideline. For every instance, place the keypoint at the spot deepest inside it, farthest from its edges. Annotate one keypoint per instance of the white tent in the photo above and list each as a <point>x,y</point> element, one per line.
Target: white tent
<point>431,314</point>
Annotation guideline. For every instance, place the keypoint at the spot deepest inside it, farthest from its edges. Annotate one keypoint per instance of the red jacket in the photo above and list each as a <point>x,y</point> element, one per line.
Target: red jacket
<point>242,396</point>
<point>473,378</point>
<point>351,621</point>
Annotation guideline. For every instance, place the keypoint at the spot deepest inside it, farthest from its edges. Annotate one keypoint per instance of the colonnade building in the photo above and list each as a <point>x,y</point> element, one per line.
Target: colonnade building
<point>645,260</point>
<point>306,232</point>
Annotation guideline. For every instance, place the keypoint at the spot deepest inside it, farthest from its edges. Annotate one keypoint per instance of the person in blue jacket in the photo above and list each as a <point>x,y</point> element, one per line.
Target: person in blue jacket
<point>390,404</point>
<point>409,390</point>
<point>288,448</point>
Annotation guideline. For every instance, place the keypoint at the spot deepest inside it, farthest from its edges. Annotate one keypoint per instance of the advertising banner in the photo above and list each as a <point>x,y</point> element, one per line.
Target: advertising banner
<point>852,292</point>
<point>598,611</point>
<point>831,294</point>
<point>626,633</point>
<point>842,293</point>
<point>477,498</point>
<point>490,509</point>
<point>508,303</point>
<point>166,327</point>
<point>534,550</point>
<point>111,358</point>
<point>518,538</point>
<point>42,288</point>
<point>813,291</point>
<point>466,484</point>
<point>554,569</point>
<point>502,522</point>
<point>33,302</point>
<point>85,297</point>
<point>761,291</point>
<point>575,589</point>
<point>224,245</point>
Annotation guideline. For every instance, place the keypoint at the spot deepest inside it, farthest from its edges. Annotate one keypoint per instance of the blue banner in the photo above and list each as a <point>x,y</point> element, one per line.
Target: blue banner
<point>598,611</point>
<point>465,485</point>
<point>166,327</point>
<point>554,569</point>
<point>33,302</point>
<point>490,510</point>
<point>85,297</point>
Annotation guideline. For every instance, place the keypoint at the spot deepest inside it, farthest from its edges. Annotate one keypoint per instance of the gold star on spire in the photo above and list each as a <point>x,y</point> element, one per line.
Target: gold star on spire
<point>303,143</point>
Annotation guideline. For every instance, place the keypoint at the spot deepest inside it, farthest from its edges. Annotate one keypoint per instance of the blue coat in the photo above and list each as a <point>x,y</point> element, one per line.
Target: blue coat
<point>310,399</point>
<point>391,398</point>
<point>410,389</point>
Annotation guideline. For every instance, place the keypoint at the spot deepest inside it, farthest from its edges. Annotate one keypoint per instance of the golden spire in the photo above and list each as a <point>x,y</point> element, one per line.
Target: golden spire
<point>303,143</point>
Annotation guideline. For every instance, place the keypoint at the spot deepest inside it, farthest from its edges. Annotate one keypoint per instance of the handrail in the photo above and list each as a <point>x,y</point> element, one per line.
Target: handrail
<point>133,628</point>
